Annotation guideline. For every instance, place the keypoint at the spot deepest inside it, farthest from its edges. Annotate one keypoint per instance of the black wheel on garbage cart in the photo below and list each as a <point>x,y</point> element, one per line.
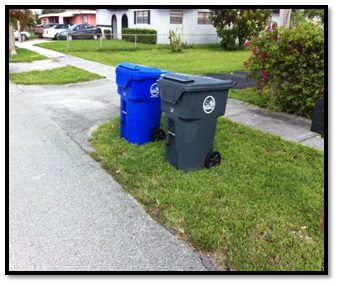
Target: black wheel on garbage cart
<point>158,135</point>
<point>212,159</point>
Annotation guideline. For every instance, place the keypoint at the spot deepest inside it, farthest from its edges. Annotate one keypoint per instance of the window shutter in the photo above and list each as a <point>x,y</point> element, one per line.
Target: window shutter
<point>135,17</point>
<point>149,17</point>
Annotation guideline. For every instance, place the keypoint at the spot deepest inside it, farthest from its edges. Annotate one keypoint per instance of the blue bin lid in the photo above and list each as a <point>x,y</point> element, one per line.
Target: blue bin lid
<point>138,72</point>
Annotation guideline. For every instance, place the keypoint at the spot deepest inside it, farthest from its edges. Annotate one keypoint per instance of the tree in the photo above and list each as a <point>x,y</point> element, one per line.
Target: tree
<point>24,16</point>
<point>12,50</point>
<point>50,11</point>
<point>314,14</point>
<point>238,25</point>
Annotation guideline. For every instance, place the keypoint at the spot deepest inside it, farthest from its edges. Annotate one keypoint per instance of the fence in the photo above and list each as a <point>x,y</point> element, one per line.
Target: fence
<point>105,39</point>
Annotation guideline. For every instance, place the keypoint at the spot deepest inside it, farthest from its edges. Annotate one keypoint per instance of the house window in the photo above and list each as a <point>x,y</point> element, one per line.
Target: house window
<point>203,18</point>
<point>176,16</point>
<point>142,17</point>
<point>83,19</point>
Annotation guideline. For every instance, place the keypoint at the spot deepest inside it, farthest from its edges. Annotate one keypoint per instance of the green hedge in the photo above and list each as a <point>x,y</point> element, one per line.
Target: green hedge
<point>108,34</point>
<point>150,38</point>
<point>291,62</point>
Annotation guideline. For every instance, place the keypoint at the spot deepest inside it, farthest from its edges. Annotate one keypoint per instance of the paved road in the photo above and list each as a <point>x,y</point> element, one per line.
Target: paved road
<point>66,213</point>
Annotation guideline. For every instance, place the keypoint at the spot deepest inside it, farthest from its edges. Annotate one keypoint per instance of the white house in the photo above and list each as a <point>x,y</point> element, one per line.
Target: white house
<point>194,24</point>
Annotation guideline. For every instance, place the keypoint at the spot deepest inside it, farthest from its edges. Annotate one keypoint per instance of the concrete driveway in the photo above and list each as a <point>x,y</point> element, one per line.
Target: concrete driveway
<point>66,212</point>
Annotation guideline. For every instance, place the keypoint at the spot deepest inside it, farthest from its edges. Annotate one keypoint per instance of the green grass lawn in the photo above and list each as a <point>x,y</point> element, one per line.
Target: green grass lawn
<point>92,45</point>
<point>258,210</point>
<point>24,55</point>
<point>68,74</point>
<point>252,95</point>
<point>198,60</point>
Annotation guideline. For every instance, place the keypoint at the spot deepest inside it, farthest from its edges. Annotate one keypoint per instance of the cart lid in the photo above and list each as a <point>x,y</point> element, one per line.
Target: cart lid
<point>173,85</point>
<point>129,71</point>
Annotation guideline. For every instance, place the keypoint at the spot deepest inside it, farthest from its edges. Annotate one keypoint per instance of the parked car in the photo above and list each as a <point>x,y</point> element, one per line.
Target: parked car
<point>24,35</point>
<point>53,31</point>
<point>81,31</point>
<point>39,30</point>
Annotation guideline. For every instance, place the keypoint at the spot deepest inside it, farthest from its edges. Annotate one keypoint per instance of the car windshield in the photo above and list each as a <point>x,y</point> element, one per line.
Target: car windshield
<point>76,27</point>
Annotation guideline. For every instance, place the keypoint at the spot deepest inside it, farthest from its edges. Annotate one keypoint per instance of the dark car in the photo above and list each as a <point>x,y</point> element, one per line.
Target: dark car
<point>81,31</point>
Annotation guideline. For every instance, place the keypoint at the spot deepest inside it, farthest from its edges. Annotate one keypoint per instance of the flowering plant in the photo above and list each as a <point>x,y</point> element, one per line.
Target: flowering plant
<point>291,63</point>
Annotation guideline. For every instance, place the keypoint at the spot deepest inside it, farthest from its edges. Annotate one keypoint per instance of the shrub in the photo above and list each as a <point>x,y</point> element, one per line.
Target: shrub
<point>175,41</point>
<point>146,36</point>
<point>234,26</point>
<point>108,34</point>
<point>291,62</point>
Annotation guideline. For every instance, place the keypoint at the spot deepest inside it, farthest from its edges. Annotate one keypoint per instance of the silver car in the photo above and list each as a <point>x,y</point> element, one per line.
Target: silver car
<point>24,35</point>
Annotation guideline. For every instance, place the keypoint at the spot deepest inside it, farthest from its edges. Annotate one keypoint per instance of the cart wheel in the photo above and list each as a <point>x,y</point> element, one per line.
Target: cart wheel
<point>212,159</point>
<point>158,135</point>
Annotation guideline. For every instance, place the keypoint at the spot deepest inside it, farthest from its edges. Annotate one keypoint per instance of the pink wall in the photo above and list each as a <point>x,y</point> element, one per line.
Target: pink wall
<point>48,20</point>
<point>76,19</point>
<point>88,18</point>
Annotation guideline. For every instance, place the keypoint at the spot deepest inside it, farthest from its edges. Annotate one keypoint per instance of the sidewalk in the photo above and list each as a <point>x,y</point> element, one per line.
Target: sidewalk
<point>103,70</point>
<point>287,126</point>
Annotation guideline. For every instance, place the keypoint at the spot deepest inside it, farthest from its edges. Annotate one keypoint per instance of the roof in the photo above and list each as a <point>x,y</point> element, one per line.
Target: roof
<point>68,13</point>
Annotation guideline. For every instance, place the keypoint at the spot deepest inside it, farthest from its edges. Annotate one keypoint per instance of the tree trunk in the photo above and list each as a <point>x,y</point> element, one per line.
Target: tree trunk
<point>285,17</point>
<point>240,42</point>
<point>12,50</point>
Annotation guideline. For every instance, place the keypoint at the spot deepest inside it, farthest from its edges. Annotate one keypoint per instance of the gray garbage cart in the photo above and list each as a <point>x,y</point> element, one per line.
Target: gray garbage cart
<point>192,105</point>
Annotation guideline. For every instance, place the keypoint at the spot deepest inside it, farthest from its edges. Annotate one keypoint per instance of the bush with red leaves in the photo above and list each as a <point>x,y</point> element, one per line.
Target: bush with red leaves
<point>291,63</point>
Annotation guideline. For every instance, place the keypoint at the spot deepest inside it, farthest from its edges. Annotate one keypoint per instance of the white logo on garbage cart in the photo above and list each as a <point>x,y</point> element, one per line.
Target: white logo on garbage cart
<point>208,104</point>
<point>154,90</point>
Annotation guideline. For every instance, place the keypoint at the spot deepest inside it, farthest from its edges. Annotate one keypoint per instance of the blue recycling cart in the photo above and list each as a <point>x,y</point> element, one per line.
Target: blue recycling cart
<point>140,103</point>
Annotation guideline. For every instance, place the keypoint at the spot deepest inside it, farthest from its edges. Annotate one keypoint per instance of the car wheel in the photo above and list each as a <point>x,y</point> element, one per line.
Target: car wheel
<point>55,37</point>
<point>23,37</point>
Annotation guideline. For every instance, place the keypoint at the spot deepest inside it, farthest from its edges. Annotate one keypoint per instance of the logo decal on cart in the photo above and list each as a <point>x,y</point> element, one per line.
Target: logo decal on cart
<point>154,90</point>
<point>172,109</point>
<point>208,104</point>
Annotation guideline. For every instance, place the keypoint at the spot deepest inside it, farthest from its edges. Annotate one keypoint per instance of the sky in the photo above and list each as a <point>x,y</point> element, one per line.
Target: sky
<point>38,11</point>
